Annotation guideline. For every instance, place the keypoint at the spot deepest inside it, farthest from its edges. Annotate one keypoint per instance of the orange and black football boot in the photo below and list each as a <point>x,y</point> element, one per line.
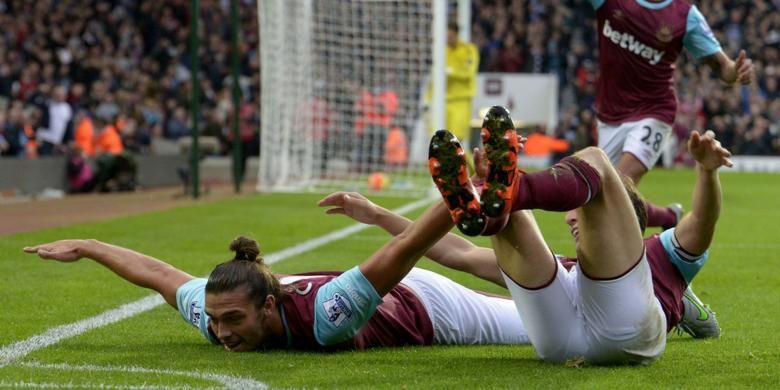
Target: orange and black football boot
<point>447,164</point>
<point>499,140</point>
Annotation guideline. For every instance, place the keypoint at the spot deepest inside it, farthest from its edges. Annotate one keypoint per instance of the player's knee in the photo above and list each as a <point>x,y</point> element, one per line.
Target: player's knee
<point>595,157</point>
<point>600,162</point>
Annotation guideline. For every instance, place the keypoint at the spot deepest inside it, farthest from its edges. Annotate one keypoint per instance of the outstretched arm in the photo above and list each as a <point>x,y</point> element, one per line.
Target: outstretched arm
<point>136,268</point>
<point>451,251</point>
<point>695,230</point>
<point>731,72</point>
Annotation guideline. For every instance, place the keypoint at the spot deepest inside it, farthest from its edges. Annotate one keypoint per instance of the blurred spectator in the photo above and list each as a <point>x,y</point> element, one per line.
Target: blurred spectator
<point>125,60</point>
<point>107,140</point>
<point>80,176</point>
<point>59,115</point>
<point>396,148</point>
<point>177,124</point>
<point>539,144</point>
<point>84,134</point>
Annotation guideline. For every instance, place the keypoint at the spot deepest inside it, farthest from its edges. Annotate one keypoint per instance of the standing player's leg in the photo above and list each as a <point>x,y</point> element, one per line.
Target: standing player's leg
<point>458,118</point>
<point>641,146</point>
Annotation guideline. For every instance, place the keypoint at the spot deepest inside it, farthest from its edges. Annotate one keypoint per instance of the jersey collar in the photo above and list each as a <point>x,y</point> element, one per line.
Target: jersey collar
<point>654,4</point>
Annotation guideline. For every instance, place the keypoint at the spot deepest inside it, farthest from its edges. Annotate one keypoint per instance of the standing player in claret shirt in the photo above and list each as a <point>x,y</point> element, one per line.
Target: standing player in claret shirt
<point>639,43</point>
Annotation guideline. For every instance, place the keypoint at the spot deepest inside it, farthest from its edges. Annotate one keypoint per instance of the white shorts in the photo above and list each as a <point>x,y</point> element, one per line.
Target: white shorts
<point>603,321</point>
<point>463,316</point>
<point>645,139</point>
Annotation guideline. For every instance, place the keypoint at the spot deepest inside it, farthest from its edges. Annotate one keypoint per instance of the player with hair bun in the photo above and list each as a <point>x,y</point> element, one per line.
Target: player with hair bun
<point>383,302</point>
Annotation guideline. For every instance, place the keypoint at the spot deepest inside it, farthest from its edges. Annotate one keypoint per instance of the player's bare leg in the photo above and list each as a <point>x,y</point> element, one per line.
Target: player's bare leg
<point>610,240</point>
<point>522,253</point>
<point>609,234</point>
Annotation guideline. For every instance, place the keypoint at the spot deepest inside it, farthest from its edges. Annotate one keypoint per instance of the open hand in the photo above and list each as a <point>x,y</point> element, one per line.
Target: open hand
<point>65,250</point>
<point>351,204</point>
<point>707,151</point>
<point>480,165</point>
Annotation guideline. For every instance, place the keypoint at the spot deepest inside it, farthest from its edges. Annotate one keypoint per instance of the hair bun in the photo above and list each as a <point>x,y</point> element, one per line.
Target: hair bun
<point>245,248</point>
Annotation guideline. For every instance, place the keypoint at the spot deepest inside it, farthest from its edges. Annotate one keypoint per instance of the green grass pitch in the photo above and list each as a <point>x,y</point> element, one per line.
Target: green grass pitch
<point>156,349</point>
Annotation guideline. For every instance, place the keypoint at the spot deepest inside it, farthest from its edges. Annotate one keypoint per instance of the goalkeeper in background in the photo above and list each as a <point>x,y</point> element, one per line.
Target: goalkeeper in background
<point>462,65</point>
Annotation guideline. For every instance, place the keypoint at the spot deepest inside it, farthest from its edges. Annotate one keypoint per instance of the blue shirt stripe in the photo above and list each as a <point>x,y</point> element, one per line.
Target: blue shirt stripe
<point>191,302</point>
<point>699,39</point>
<point>342,306</point>
<point>688,265</point>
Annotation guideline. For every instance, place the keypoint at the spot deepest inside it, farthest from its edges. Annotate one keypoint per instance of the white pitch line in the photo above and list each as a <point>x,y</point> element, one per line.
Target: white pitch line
<point>230,382</point>
<point>19,349</point>
<point>71,385</point>
<point>54,335</point>
<point>51,385</point>
<point>337,235</point>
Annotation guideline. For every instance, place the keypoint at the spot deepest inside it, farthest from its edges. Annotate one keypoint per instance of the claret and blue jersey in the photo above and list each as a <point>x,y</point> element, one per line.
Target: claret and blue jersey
<point>639,43</point>
<point>330,311</point>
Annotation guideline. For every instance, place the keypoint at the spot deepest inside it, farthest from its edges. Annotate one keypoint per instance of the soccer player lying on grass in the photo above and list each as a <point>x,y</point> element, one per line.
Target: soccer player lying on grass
<point>603,309</point>
<point>382,302</point>
<point>454,252</point>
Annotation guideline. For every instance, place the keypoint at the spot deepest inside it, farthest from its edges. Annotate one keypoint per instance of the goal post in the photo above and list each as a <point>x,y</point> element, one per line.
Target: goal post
<point>343,94</point>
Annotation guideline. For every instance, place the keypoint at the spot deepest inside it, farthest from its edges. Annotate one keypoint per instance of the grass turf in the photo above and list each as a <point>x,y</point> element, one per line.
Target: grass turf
<point>740,282</point>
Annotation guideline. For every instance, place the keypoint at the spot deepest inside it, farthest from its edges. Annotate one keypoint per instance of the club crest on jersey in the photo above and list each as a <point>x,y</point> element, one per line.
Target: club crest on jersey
<point>338,309</point>
<point>628,42</point>
<point>664,34</point>
<point>195,313</point>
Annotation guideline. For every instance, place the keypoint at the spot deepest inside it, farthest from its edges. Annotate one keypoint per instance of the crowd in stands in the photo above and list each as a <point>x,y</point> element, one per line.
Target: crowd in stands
<point>110,77</point>
<point>114,76</point>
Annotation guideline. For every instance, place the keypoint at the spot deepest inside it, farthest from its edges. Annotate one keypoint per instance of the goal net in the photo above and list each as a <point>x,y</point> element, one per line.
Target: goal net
<point>343,90</point>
